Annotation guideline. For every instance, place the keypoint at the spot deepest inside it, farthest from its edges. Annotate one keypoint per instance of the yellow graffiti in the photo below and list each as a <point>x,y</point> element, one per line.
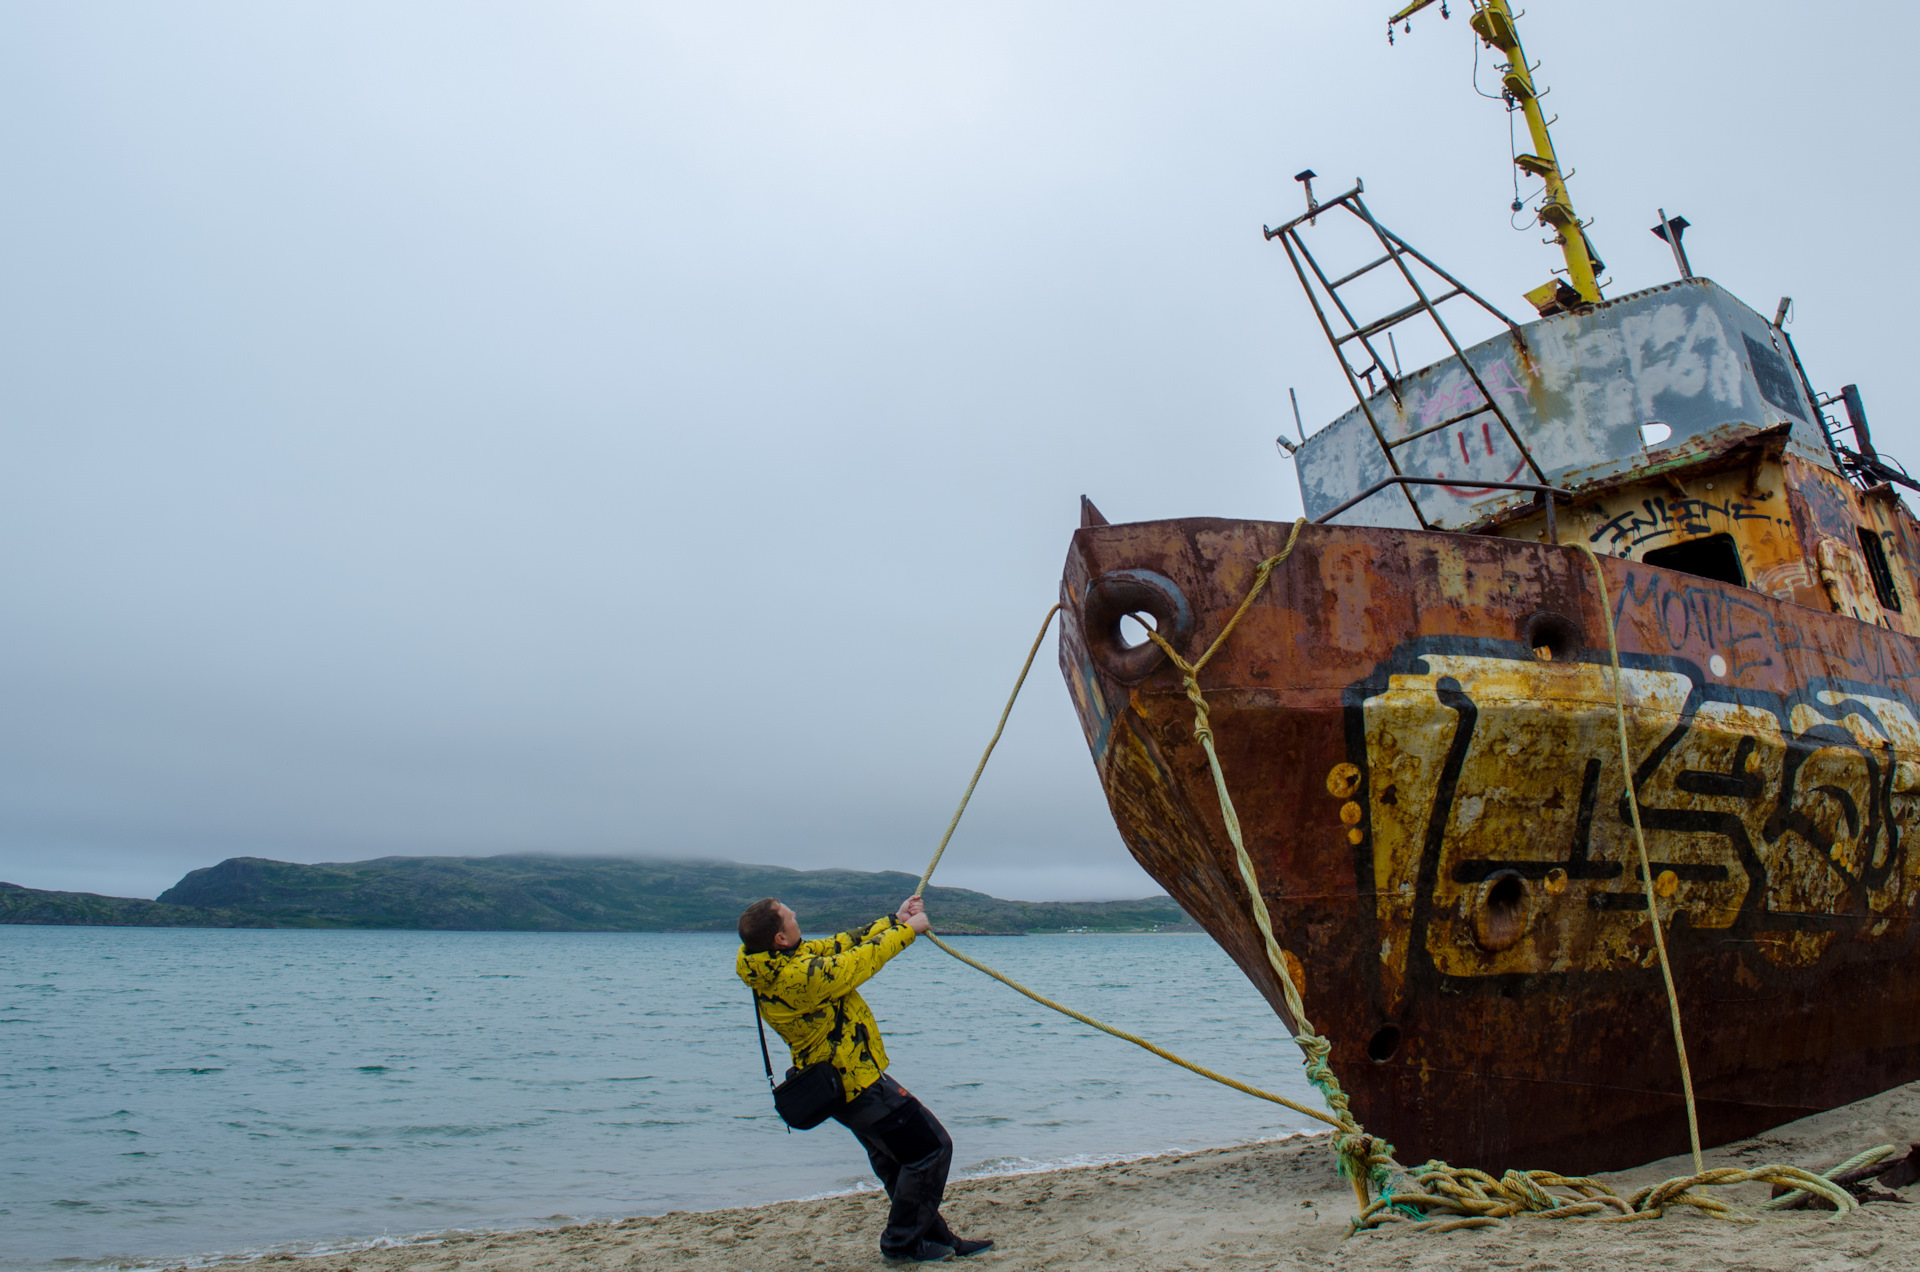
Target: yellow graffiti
<point>1499,842</point>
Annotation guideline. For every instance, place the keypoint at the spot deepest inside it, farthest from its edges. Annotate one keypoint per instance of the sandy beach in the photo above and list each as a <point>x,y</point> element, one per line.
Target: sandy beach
<point>1273,1205</point>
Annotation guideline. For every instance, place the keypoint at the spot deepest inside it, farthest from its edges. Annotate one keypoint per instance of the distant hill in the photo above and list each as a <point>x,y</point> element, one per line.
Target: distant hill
<point>87,909</point>
<point>559,894</point>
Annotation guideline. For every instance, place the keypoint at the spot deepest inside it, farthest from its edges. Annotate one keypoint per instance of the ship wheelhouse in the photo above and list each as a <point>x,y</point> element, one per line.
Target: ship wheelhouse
<point>1674,425</point>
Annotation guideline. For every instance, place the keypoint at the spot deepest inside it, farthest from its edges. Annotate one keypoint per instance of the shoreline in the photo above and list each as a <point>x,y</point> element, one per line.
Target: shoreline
<point>1266,1204</point>
<point>324,1249</point>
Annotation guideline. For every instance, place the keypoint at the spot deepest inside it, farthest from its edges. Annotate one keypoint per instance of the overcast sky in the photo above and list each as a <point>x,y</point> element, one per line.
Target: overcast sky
<point>461,428</point>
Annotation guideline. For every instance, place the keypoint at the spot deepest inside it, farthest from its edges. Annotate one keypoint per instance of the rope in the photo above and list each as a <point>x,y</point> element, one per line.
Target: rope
<point>1791,1200</point>
<point>1361,1159</point>
<point>987,754</point>
<point>1646,866</point>
<point>1464,1197</point>
<point>1135,1039</point>
<point>1203,733</point>
<point>1044,1001</point>
<point>1434,1197</point>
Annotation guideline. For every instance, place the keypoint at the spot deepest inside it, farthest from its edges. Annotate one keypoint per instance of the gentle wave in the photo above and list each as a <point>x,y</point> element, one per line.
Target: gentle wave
<point>179,1092</point>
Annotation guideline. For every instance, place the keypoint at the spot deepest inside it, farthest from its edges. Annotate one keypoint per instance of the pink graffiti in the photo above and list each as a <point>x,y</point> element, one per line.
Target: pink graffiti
<point>1459,398</point>
<point>1463,395</point>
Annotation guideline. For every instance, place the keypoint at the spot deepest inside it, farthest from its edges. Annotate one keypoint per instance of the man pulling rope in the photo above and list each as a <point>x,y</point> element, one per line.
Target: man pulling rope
<point>809,991</point>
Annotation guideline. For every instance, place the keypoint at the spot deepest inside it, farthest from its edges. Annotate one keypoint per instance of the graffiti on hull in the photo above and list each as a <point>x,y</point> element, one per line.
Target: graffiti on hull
<point>1497,837</point>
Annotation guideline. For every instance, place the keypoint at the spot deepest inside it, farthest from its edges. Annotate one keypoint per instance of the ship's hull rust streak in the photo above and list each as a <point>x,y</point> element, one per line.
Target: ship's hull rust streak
<point>1418,729</point>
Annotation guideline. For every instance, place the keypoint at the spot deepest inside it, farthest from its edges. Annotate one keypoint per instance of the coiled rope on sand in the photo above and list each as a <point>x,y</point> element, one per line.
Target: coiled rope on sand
<point>1434,1197</point>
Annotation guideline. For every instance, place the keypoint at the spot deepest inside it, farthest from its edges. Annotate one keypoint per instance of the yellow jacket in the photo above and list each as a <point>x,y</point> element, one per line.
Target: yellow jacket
<point>808,994</point>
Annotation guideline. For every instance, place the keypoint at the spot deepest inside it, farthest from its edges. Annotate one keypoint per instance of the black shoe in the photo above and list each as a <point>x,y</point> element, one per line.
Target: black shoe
<point>964,1247</point>
<point>925,1252</point>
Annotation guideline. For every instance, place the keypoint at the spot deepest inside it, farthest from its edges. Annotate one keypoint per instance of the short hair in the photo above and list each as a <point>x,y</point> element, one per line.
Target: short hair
<point>760,923</point>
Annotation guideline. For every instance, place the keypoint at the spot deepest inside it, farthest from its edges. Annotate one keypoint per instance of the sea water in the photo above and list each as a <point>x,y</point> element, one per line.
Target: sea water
<point>176,1093</point>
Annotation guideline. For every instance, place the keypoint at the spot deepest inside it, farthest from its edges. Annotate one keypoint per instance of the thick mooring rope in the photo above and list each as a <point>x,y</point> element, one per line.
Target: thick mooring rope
<point>1044,1001</point>
<point>1135,1039</point>
<point>1646,866</point>
<point>1434,1197</point>
<point>1019,682</point>
<point>1362,1160</point>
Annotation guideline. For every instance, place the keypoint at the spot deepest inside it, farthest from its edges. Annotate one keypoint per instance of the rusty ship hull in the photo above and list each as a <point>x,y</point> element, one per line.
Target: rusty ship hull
<point>1419,732</point>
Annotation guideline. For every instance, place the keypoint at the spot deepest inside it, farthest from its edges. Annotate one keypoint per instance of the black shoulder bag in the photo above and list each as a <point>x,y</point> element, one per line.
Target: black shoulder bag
<point>809,1096</point>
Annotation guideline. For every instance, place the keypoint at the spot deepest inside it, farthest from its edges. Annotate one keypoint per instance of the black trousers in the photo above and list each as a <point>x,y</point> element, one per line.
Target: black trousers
<point>911,1153</point>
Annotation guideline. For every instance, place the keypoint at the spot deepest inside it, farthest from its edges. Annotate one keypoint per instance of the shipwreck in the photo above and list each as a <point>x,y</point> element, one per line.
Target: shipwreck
<point>1418,721</point>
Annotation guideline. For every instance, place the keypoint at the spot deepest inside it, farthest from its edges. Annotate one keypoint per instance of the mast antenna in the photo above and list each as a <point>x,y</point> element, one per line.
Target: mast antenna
<point>1493,23</point>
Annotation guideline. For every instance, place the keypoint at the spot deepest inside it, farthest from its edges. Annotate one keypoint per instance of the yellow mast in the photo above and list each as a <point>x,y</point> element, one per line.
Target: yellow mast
<point>1493,22</point>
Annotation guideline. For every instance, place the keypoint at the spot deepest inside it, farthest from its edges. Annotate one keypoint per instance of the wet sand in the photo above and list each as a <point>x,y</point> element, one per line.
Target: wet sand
<point>1274,1205</point>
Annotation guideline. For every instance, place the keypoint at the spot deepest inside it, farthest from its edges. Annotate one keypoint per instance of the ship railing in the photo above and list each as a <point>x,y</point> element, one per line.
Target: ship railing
<point>1543,494</point>
<point>1330,307</point>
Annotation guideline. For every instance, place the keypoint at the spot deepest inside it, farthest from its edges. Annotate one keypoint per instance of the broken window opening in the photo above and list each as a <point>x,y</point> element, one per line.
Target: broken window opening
<point>1714,557</point>
<point>1882,574</point>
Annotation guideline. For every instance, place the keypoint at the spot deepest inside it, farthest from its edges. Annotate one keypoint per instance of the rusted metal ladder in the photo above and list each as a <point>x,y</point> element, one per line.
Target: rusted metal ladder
<point>1394,251</point>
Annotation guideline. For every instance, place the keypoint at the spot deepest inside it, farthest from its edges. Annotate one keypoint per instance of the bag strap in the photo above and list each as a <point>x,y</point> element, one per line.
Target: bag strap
<point>765,1058</point>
